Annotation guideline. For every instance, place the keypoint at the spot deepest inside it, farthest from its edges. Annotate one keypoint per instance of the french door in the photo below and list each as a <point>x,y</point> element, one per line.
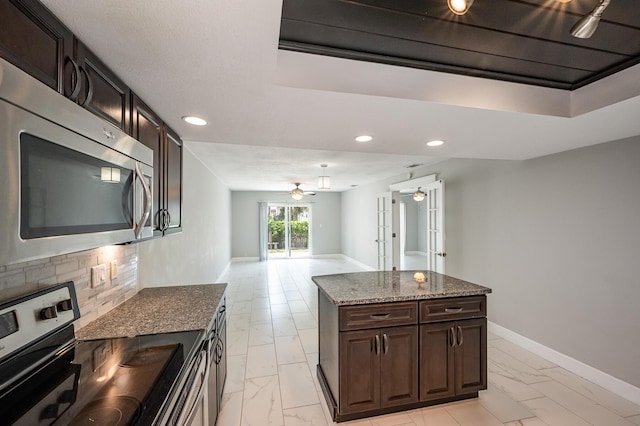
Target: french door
<point>288,231</point>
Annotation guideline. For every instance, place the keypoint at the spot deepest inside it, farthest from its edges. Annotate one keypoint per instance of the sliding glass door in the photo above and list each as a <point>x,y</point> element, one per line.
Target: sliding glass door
<point>288,231</point>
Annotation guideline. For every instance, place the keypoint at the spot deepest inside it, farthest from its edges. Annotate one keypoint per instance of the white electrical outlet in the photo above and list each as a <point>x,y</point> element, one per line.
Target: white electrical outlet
<point>98,275</point>
<point>113,269</point>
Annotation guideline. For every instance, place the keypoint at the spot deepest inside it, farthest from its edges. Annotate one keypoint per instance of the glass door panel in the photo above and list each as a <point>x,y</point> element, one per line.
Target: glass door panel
<point>288,234</point>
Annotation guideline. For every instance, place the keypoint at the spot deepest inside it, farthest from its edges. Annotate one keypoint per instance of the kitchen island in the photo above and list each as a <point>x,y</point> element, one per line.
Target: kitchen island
<point>398,340</point>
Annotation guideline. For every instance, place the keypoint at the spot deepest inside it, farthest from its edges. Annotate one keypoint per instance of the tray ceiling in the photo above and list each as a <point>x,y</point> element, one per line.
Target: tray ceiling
<point>512,40</point>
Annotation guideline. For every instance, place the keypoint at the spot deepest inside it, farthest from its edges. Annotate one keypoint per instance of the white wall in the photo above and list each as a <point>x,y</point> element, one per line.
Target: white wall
<point>412,230</point>
<point>557,238</point>
<point>325,221</point>
<point>201,252</point>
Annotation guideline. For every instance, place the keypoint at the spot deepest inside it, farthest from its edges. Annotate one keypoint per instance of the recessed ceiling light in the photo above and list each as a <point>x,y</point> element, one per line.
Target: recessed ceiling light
<point>435,143</point>
<point>364,138</point>
<point>196,121</point>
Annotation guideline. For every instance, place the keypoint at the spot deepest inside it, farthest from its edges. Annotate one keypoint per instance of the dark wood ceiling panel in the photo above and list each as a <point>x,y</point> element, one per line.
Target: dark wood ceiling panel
<point>434,57</point>
<point>515,40</point>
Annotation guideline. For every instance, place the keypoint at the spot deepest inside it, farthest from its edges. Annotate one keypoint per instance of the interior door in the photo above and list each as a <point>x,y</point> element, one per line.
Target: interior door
<point>383,238</point>
<point>435,225</point>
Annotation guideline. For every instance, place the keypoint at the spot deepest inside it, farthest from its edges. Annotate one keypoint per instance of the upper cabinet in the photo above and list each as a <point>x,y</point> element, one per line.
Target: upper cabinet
<point>102,92</point>
<point>32,39</point>
<point>173,182</point>
<point>148,128</point>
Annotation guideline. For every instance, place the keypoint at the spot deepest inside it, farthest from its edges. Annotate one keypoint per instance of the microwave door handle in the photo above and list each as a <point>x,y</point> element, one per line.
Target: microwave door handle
<point>137,228</point>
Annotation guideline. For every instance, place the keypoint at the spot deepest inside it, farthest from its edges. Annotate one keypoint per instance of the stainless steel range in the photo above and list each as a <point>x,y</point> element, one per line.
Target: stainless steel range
<point>49,378</point>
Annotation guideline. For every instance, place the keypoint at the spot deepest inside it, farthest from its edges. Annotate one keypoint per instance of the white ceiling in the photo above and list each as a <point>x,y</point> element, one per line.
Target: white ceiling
<point>274,116</point>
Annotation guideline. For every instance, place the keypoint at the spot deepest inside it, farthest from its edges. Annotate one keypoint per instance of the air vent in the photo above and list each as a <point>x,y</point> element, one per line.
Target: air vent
<point>412,166</point>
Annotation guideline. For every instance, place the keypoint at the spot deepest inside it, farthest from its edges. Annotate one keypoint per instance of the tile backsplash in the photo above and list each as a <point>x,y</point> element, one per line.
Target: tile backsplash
<point>22,278</point>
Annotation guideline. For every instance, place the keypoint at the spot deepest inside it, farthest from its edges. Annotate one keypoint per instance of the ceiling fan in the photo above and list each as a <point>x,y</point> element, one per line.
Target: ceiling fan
<point>297,192</point>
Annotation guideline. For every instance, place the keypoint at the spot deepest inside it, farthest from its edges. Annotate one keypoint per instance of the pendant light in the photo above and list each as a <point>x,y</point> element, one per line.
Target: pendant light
<point>588,24</point>
<point>418,195</point>
<point>459,7</point>
<point>324,182</point>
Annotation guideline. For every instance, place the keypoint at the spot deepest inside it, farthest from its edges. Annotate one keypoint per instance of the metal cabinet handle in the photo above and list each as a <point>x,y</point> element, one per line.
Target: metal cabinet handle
<point>76,76</point>
<point>385,343</point>
<point>453,310</point>
<point>378,316</point>
<point>137,227</point>
<point>87,100</point>
<point>376,344</point>
<point>452,339</point>
<point>460,336</point>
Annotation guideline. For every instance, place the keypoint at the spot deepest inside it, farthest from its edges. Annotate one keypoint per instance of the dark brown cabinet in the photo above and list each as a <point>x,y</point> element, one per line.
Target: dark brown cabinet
<point>148,128</point>
<point>432,351</point>
<point>32,39</point>
<point>452,358</point>
<point>378,369</point>
<point>172,191</point>
<point>102,92</point>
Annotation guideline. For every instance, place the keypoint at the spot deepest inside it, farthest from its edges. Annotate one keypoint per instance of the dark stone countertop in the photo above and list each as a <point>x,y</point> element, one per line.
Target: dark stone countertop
<point>158,310</point>
<point>360,288</point>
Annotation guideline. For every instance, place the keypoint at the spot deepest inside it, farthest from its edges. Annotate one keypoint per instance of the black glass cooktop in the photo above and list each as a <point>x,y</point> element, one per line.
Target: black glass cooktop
<point>102,382</point>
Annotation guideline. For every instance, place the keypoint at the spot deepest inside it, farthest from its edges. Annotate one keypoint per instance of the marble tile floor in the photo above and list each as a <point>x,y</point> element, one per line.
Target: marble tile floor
<point>272,353</point>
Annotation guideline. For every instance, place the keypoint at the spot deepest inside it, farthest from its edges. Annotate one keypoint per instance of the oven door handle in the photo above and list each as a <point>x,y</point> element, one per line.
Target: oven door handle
<point>137,227</point>
<point>185,419</point>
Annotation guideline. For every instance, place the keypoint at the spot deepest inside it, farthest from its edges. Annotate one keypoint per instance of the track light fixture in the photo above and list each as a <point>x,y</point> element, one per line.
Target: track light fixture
<point>459,7</point>
<point>588,24</point>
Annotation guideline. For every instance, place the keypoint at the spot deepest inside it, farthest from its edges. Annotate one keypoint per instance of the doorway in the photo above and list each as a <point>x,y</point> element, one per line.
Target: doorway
<point>288,231</point>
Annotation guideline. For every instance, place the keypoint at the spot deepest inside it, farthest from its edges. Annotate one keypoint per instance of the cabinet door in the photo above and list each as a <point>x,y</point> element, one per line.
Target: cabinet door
<point>471,356</point>
<point>173,179</point>
<point>103,93</point>
<point>359,371</point>
<point>146,127</point>
<point>32,39</point>
<point>222,360</point>
<point>437,360</point>
<point>399,366</point>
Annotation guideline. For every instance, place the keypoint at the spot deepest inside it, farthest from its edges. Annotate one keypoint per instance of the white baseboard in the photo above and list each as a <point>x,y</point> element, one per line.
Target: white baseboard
<point>245,259</point>
<point>327,256</point>
<point>357,263</point>
<point>623,389</point>
<point>224,271</point>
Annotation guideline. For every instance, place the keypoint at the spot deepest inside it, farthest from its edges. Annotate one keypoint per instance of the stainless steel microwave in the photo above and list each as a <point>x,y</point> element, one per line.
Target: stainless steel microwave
<point>68,180</point>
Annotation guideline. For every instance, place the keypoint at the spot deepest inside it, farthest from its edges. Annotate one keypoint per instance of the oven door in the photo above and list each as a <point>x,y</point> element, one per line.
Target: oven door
<point>65,192</point>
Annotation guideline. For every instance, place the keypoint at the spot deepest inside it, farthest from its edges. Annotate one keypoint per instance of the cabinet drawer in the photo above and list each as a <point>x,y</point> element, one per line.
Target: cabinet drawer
<point>454,308</point>
<point>379,315</point>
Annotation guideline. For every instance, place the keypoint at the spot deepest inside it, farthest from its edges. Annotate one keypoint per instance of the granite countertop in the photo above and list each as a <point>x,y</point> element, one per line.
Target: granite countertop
<point>360,288</point>
<point>158,310</point>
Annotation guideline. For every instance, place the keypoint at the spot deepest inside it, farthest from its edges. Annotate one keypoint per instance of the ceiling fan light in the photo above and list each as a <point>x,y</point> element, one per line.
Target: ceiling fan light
<point>459,7</point>
<point>297,194</point>
<point>418,195</point>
